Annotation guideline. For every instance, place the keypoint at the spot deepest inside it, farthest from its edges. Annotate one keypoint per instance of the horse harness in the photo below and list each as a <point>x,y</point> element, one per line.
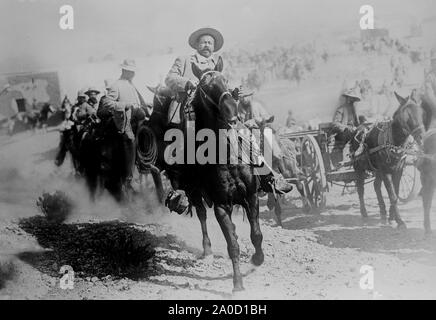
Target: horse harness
<point>394,154</point>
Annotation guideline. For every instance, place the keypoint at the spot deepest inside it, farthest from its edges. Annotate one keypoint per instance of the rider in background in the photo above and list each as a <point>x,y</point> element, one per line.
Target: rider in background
<point>92,94</point>
<point>254,116</point>
<point>81,110</point>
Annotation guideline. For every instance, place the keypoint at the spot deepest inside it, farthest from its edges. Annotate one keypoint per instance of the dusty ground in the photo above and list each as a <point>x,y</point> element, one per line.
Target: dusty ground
<point>311,257</point>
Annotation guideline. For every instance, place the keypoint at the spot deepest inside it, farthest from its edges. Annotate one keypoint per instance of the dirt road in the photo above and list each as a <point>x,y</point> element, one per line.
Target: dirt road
<point>311,257</point>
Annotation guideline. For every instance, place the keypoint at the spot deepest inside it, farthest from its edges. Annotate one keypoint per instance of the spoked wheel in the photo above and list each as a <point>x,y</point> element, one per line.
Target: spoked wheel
<point>312,164</point>
<point>409,183</point>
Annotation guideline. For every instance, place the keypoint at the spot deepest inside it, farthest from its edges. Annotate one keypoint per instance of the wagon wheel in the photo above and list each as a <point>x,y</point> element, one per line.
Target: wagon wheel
<point>312,164</point>
<point>409,183</point>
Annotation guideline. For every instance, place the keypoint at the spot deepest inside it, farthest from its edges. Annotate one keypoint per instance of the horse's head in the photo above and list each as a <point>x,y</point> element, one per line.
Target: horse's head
<point>409,116</point>
<point>215,95</point>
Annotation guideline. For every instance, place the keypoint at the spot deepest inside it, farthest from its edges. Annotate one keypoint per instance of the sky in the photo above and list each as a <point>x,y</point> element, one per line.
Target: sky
<point>32,40</point>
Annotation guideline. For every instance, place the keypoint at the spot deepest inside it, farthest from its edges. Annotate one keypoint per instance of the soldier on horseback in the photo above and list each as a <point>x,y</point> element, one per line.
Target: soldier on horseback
<point>125,106</point>
<point>181,80</point>
<point>92,94</point>
<point>73,127</point>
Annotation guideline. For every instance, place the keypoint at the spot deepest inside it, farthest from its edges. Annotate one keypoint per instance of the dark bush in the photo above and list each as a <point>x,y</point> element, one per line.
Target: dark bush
<point>56,207</point>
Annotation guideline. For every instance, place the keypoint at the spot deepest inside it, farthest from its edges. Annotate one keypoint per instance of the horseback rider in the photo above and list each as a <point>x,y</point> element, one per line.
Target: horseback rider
<point>73,125</point>
<point>81,110</point>
<point>181,80</point>
<point>126,107</point>
<point>254,115</point>
<point>92,94</point>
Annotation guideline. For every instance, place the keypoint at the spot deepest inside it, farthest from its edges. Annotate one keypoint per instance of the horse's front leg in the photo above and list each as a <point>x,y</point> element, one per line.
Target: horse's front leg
<point>393,209</point>
<point>228,228</point>
<point>202,216</point>
<point>256,235</point>
<point>378,192</point>
<point>360,185</point>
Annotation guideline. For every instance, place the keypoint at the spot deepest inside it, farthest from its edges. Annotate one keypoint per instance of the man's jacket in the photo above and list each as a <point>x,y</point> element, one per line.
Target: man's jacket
<point>181,71</point>
<point>121,100</point>
<point>346,115</point>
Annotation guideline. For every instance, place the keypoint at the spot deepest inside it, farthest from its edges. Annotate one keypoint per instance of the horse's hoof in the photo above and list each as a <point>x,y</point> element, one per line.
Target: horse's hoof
<point>257,259</point>
<point>206,257</point>
<point>238,288</point>
<point>384,220</point>
<point>402,226</point>
<point>428,233</point>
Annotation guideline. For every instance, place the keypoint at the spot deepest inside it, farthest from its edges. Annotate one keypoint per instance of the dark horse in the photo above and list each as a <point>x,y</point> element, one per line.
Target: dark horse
<point>427,164</point>
<point>383,155</point>
<point>102,158</point>
<point>220,185</point>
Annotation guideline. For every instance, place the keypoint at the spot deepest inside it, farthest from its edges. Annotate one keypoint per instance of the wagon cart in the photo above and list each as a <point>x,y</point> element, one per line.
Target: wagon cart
<point>316,159</point>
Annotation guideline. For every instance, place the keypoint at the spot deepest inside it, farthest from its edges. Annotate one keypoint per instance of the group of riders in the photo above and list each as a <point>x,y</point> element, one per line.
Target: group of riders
<point>123,105</point>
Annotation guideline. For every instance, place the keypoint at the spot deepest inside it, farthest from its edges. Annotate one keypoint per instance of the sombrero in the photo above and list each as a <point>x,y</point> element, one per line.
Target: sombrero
<point>128,64</point>
<point>92,89</point>
<point>218,37</point>
<point>81,93</point>
<point>352,93</point>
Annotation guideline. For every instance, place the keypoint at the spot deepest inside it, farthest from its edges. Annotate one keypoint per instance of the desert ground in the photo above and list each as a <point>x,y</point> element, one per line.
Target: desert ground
<point>314,256</point>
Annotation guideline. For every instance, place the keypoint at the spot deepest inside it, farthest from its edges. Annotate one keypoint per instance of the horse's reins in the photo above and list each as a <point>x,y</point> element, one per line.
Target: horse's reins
<point>205,95</point>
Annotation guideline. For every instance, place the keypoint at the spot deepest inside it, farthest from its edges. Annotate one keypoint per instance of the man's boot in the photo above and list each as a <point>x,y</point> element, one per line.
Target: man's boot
<point>275,183</point>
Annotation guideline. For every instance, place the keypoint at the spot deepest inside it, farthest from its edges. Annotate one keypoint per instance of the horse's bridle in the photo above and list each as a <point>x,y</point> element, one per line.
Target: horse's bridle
<point>418,130</point>
<point>204,95</point>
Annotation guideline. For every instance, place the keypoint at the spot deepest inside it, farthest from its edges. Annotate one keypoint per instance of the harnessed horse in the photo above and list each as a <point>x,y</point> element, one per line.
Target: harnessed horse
<point>384,154</point>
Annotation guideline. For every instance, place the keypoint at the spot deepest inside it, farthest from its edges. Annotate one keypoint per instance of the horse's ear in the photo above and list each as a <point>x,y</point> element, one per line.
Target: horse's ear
<point>219,65</point>
<point>196,71</point>
<point>400,99</point>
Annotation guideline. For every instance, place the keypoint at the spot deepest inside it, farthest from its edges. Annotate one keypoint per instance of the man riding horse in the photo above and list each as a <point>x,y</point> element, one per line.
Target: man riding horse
<point>73,125</point>
<point>181,81</point>
<point>124,105</point>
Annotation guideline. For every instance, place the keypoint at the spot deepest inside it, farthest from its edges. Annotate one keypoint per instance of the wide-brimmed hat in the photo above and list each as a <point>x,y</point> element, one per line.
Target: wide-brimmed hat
<point>128,64</point>
<point>81,93</point>
<point>352,93</point>
<point>218,37</point>
<point>92,89</point>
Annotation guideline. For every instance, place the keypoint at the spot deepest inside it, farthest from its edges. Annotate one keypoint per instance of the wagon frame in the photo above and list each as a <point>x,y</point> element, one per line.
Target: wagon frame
<point>314,159</point>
